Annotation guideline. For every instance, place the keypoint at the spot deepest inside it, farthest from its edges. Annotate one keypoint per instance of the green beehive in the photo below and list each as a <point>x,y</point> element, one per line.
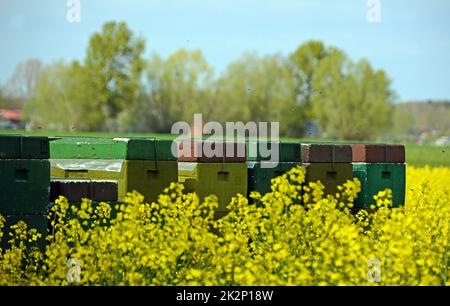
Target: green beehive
<point>147,177</point>
<point>330,175</point>
<point>287,151</point>
<point>144,165</point>
<point>260,175</point>
<point>24,186</point>
<point>262,168</point>
<point>116,148</point>
<point>377,177</point>
<point>222,179</point>
<point>23,147</point>
<point>38,222</point>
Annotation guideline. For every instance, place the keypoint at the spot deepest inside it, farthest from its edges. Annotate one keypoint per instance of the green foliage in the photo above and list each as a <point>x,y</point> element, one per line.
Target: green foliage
<point>403,121</point>
<point>349,100</point>
<point>421,155</point>
<point>304,63</point>
<point>354,101</point>
<point>64,100</point>
<point>1,97</point>
<point>21,86</point>
<point>431,118</point>
<point>7,101</point>
<point>175,89</point>
<point>114,64</point>
<point>258,89</point>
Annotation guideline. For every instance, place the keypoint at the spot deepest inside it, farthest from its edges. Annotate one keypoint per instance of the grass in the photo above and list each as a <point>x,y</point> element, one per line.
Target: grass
<point>421,155</point>
<point>83,134</point>
<point>416,155</point>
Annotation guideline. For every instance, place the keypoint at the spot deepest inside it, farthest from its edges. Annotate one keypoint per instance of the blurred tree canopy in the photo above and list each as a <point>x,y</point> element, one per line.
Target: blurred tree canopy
<point>417,118</point>
<point>303,65</point>
<point>353,100</point>
<point>20,87</point>
<point>258,89</point>
<point>65,100</point>
<point>173,90</point>
<point>2,98</point>
<point>113,65</point>
<point>116,89</point>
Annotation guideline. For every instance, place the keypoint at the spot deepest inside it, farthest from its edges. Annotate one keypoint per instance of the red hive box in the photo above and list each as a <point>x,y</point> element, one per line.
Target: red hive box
<point>326,153</point>
<point>211,151</point>
<point>378,153</point>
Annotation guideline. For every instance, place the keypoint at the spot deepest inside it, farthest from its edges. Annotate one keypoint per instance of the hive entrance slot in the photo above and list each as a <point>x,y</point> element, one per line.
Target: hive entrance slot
<point>331,175</point>
<point>223,175</point>
<point>152,174</point>
<point>21,175</point>
<point>279,173</point>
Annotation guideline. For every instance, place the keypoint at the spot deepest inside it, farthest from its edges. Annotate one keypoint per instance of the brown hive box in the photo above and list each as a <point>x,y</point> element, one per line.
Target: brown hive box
<point>75,190</point>
<point>378,153</point>
<point>231,152</point>
<point>326,153</point>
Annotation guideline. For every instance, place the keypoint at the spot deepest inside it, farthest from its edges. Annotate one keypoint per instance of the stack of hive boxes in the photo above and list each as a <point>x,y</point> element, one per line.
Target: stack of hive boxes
<point>24,181</point>
<point>379,166</point>
<point>328,163</point>
<point>262,169</point>
<point>106,169</point>
<point>223,174</point>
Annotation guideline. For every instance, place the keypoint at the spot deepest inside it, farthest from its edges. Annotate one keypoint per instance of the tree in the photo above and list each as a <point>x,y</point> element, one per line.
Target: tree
<point>356,101</point>
<point>64,100</point>
<point>415,118</point>
<point>114,64</point>
<point>21,85</point>
<point>6,101</point>
<point>2,99</point>
<point>258,89</point>
<point>403,122</point>
<point>175,89</point>
<point>303,64</point>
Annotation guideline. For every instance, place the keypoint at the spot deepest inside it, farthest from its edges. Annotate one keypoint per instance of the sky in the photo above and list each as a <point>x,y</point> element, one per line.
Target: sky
<point>411,42</point>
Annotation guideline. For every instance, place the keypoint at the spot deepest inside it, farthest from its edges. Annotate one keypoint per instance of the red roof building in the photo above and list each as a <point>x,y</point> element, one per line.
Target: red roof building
<point>11,119</point>
<point>11,114</point>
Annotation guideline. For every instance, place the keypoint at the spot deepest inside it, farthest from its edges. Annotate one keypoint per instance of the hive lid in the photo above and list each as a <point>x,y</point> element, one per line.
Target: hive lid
<point>326,153</point>
<point>211,151</point>
<point>112,148</point>
<point>23,147</point>
<point>378,153</point>
<point>287,151</point>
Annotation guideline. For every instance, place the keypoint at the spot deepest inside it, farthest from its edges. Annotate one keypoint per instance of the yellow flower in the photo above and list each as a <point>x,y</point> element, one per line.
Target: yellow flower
<point>176,240</point>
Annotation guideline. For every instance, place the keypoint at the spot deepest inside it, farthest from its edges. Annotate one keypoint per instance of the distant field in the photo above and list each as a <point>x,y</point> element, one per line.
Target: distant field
<point>85,134</point>
<point>420,155</point>
<point>416,155</point>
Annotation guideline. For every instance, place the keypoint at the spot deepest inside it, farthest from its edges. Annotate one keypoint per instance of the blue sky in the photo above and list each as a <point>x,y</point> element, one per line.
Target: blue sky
<point>412,42</point>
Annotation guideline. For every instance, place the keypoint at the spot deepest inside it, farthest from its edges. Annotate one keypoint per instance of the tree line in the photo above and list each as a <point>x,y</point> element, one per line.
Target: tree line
<point>116,89</point>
